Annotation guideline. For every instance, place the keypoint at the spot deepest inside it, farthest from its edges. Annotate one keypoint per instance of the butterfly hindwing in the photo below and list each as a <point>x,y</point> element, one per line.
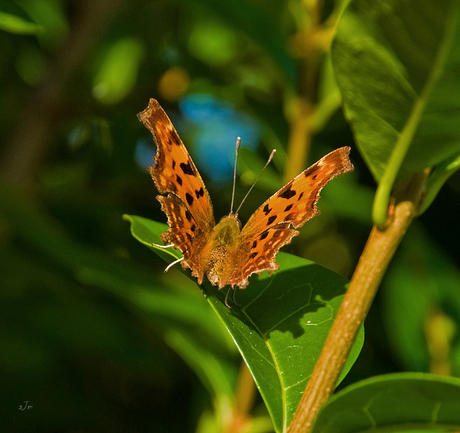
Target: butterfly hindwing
<point>183,233</point>
<point>258,254</point>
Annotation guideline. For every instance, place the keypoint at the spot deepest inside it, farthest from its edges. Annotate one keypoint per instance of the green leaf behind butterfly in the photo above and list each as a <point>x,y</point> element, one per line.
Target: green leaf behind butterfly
<point>279,325</point>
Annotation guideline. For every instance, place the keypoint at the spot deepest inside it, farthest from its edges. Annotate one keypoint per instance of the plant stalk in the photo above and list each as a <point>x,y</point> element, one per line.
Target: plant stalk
<point>244,401</point>
<point>377,254</point>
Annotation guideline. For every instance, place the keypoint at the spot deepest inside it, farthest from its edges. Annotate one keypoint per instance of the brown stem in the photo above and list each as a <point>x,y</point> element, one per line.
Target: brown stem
<point>303,107</point>
<point>300,135</point>
<point>377,254</point>
<point>244,396</point>
<point>309,45</point>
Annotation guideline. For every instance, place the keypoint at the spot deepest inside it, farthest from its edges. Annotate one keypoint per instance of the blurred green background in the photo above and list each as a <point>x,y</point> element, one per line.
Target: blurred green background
<point>93,335</point>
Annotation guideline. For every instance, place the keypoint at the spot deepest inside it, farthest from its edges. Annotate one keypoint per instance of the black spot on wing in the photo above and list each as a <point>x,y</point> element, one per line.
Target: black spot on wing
<point>175,135</point>
<point>300,196</point>
<point>199,193</point>
<point>266,209</point>
<point>263,235</point>
<point>310,172</point>
<point>287,192</point>
<point>189,199</point>
<point>188,215</point>
<point>271,219</point>
<point>178,179</point>
<point>173,164</point>
<point>253,254</point>
<point>187,168</point>
<point>288,207</point>
<point>254,244</point>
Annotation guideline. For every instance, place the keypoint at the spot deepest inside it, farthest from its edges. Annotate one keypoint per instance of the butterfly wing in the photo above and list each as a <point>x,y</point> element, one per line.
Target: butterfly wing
<point>269,227</point>
<point>187,203</point>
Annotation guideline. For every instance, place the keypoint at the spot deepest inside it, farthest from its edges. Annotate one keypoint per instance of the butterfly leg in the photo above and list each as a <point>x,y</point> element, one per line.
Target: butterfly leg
<point>234,297</point>
<point>226,298</point>
<point>172,264</point>
<point>162,246</point>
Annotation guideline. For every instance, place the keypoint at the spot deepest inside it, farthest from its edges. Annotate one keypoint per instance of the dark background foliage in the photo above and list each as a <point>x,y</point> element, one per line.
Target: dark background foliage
<point>93,334</point>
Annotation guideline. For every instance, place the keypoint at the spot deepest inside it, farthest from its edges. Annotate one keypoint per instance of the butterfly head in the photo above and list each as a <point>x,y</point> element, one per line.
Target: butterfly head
<point>227,230</point>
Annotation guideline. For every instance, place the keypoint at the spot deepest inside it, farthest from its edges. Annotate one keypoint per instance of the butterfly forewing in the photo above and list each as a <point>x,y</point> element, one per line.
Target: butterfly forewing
<point>296,201</point>
<point>268,228</point>
<point>183,231</point>
<point>174,171</point>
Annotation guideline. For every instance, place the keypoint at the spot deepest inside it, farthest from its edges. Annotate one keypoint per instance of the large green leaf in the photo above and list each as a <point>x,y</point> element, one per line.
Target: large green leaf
<point>279,325</point>
<point>397,66</point>
<point>394,402</point>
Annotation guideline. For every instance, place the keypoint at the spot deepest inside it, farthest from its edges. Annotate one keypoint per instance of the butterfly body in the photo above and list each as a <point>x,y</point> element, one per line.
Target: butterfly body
<point>218,256</point>
<point>226,253</point>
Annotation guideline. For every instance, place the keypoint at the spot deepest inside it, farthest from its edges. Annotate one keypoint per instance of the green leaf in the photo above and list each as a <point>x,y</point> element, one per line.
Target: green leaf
<point>279,325</point>
<point>50,16</point>
<point>148,232</point>
<point>438,178</point>
<point>14,24</point>
<point>397,68</point>
<point>117,73</point>
<point>393,402</point>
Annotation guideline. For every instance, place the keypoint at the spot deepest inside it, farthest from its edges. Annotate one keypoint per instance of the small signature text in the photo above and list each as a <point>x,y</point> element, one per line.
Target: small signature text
<point>26,406</point>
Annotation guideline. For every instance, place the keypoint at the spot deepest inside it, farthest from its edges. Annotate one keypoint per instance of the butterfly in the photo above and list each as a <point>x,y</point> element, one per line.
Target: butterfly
<point>226,253</point>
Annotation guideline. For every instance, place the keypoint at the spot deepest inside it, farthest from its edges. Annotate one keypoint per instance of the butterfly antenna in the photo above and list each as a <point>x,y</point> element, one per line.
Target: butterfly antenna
<point>238,142</point>
<point>258,177</point>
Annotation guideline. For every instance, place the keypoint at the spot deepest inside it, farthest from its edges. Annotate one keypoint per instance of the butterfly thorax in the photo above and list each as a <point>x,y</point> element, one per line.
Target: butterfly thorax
<point>227,231</point>
<point>222,249</point>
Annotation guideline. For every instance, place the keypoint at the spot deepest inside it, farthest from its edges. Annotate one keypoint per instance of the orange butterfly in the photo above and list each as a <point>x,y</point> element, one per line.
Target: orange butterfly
<point>226,253</point>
